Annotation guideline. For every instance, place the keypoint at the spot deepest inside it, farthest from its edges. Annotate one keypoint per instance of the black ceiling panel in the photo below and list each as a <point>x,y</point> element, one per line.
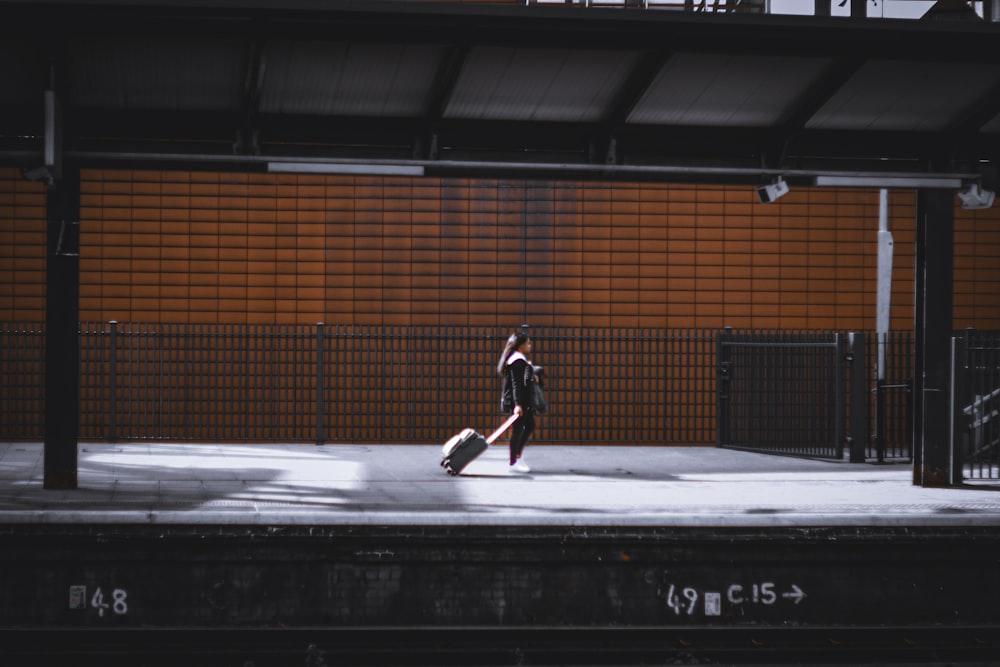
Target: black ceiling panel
<point>499,88</point>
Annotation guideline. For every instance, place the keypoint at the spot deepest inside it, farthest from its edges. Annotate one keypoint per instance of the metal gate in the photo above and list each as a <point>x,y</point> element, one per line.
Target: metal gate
<point>976,412</point>
<point>782,393</point>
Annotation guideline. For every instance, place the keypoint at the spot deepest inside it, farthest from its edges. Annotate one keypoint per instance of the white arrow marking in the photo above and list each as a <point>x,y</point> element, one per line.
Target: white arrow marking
<point>798,594</point>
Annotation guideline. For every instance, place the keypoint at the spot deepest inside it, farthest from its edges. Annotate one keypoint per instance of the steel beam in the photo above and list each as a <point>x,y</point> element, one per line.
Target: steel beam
<point>62,351</point>
<point>933,326</point>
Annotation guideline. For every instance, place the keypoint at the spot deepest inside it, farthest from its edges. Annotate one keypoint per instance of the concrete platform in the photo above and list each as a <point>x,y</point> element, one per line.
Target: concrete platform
<point>337,484</point>
<point>209,554</point>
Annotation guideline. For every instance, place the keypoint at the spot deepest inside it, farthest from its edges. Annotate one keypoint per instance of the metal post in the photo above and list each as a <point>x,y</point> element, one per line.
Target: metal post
<point>320,383</point>
<point>113,382</point>
<point>62,323</point>
<point>722,388</point>
<point>932,402</point>
<point>840,398</point>
<point>880,432</point>
<point>859,396</point>
<point>960,398</point>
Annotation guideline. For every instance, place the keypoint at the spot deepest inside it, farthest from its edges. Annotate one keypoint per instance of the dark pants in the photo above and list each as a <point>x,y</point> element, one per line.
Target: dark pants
<point>519,434</point>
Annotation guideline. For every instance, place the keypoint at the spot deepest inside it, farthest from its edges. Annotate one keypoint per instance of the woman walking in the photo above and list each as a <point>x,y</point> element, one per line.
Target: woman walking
<point>518,380</point>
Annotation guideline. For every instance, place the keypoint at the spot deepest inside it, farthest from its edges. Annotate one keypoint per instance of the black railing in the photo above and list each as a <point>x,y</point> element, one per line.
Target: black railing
<point>782,393</point>
<point>336,383</point>
<point>976,415</point>
<point>891,414</point>
<point>326,383</point>
<point>22,374</point>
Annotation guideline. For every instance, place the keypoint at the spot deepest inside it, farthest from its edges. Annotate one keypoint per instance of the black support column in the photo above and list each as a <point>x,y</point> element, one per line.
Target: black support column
<point>62,316</point>
<point>933,327</point>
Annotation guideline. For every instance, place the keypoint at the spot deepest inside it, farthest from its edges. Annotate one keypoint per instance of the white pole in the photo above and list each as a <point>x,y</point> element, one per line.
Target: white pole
<point>884,293</point>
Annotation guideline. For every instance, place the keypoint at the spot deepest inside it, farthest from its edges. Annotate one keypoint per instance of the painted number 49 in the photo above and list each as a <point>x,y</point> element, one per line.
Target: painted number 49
<point>683,601</point>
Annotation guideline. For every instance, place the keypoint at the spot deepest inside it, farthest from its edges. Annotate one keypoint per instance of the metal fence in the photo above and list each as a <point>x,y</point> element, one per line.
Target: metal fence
<point>890,415</point>
<point>325,383</point>
<point>976,412</point>
<point>22,377</point>
<point>334,383</point>
<point>782,393</point>
<point>798,393</point>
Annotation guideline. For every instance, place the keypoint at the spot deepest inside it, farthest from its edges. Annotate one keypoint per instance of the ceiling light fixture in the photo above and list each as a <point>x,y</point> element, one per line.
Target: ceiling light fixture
<point>345,168</point>
<point>877,181</point>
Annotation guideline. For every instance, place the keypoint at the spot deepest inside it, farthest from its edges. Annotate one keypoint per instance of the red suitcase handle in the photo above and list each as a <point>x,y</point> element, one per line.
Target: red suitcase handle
<point>503,427</point>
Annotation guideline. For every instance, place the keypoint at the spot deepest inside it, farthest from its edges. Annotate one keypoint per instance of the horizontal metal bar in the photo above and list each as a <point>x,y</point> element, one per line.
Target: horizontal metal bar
<point>985,419</point>
<point>944,179</point>
<point>980,400</point>
<point>776,345</point>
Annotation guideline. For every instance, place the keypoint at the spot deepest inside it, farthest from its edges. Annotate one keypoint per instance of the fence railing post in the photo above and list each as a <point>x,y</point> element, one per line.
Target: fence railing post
<point>961,396</point>
<point>880,426</point>
<point>320,384</point>
<point>858,394</point>
<point>840,359</point>
<point>722,387</point>
<point>113,381</point>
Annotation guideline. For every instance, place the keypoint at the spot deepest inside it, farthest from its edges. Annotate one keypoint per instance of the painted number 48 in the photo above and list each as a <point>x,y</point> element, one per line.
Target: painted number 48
<point>116,604</point>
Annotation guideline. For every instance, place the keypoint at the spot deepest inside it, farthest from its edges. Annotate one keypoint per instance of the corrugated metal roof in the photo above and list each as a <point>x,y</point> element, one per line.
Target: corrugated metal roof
<point>456,82</point>
<point>166,74</point>
<point>537,84</point>
<point>726,89</point>
<point>907,95</point>
<point>350,79</point>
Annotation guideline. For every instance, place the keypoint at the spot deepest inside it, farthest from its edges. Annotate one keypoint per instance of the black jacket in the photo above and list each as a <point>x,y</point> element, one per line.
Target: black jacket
<point>518,381</point>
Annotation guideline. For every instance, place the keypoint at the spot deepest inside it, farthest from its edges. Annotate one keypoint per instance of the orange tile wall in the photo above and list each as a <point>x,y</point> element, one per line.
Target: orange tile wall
<point>198,247</point>
<point>22,249</point>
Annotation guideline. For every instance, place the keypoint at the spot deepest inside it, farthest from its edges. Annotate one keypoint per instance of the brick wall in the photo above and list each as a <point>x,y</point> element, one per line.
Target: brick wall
<point>22,248</point>
<point>251,248</point>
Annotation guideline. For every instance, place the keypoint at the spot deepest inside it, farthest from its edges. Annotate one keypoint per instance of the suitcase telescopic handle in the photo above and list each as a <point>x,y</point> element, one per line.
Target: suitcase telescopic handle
<point>500,431</point>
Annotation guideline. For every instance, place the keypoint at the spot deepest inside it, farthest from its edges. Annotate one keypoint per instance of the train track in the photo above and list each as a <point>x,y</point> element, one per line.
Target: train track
<point>473,647</point>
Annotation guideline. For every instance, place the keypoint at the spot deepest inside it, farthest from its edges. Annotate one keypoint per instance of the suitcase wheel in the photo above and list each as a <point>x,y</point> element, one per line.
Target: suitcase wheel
<point>451,472</point>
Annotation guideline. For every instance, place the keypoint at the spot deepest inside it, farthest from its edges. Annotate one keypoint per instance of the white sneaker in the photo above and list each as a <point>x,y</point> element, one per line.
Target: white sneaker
<point>520,466</point>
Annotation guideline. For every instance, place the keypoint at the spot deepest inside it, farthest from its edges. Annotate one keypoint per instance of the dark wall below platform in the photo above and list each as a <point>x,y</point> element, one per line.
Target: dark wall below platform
<point>518,583</point>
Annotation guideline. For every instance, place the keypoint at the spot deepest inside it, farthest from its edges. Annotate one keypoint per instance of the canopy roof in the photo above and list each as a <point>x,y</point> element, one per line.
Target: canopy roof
<point>477,89</point>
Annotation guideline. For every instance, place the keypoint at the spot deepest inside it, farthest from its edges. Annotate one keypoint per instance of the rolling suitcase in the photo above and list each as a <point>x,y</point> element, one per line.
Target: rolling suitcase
<point>465,446</point>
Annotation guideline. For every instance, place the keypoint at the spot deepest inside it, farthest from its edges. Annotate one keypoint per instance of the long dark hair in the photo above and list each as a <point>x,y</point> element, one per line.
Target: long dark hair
<point>516,340</point>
